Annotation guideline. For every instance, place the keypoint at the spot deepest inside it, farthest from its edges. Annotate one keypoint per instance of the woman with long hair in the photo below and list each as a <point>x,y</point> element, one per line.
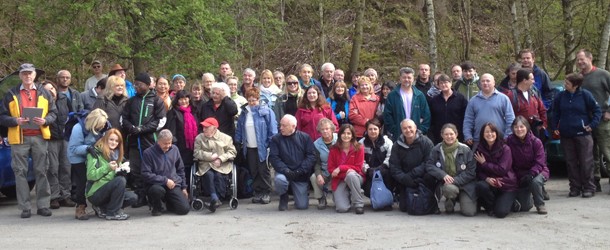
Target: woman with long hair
<point>269,92</point>
<point>497,185</point>
<point>80,140</point>
<point>105,171</point>
<point>288,103</point>
<point>345,162</point>
<point>339,102</point>
<point>312,108</point>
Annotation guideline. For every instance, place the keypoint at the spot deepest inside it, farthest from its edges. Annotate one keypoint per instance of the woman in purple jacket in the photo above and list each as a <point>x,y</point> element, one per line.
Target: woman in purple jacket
<point>529,164</point>
<point>497,185</point>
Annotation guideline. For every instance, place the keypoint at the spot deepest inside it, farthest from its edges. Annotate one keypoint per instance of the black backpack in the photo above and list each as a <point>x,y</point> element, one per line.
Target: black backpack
<point>73,119</point>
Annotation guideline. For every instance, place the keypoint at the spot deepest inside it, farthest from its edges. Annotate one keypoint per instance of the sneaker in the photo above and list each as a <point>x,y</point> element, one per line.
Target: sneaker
<point>449,206</point>
<point>541,209</point>
<point>213,205</point>
<point>265,199</point>
<point>26,213</point>
<point>67,202</point>
<point>156,212</point>
<point>98,212</point>
<point>322,203</point>
<point>44,212</point>
<point>587,194</point>
<point>360,210</point>
<point>119,216</point>
<point>257,198</point>
<point>574,193</point>
<point>54,204</point>
<point>283,206</point>
<point>516,206</point>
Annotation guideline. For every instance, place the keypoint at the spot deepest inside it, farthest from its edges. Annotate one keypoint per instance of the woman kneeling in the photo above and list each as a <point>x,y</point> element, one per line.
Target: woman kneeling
<point>345,165</point>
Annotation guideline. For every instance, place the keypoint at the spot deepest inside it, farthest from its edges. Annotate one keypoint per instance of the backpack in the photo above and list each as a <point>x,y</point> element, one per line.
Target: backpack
<point>244,183</point>
<point>420,200</point>
<point>381,196</point>
<point>73,119</point>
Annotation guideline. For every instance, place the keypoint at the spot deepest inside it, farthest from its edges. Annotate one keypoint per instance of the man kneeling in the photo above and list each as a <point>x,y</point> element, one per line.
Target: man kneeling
<point>163,174</point>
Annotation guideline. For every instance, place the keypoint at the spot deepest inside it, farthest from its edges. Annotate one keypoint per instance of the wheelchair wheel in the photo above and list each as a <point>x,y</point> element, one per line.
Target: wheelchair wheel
<point>197,204</point>
<point>233,203</point>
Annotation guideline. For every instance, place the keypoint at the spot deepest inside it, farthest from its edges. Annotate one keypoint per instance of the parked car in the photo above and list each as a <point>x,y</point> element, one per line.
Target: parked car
<point>7,176</point>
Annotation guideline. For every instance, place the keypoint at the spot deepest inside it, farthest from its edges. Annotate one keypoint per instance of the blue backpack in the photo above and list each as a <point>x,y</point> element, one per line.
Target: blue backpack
<point>381,196</point>
<point>73,119</point>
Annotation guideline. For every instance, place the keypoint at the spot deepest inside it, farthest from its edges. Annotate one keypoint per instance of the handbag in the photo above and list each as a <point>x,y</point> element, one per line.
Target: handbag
<point>381,196</point>
<point>420,200</point>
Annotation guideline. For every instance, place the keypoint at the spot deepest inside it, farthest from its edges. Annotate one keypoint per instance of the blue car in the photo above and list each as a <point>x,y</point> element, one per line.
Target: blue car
<point>7,177</point>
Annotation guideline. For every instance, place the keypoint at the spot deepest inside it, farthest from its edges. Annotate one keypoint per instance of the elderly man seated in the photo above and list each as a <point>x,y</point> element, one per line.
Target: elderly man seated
<point>293,156</point>
<point>215,152</point>
<point>163,174</point>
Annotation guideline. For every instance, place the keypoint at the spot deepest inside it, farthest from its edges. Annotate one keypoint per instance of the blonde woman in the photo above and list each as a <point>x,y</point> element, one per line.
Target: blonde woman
<point>113,100</point>
<point>80,140</point>
<point>288,103</point>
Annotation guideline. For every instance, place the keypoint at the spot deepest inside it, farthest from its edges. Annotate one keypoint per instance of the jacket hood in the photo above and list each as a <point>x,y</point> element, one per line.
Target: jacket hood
<point>402,142</point>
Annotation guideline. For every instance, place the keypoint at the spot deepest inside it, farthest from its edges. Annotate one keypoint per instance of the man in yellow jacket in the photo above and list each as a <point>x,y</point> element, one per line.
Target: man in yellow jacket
<point>28,138</point>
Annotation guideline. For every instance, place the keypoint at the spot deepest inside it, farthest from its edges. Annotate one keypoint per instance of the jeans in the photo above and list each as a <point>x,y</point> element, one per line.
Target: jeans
<point>495,199</point>
<point>299,190</point>
<point>214,182</point>
<point>36,147</point>
<point>174,199</point>
<point>534,190</point>
<point>112,196</point>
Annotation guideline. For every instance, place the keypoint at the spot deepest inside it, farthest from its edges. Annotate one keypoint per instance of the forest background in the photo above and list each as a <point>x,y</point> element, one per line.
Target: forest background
<point>193,36</point>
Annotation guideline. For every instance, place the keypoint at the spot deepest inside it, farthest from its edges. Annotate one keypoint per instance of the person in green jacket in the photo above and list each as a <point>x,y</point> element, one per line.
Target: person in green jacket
<point>106,177</point>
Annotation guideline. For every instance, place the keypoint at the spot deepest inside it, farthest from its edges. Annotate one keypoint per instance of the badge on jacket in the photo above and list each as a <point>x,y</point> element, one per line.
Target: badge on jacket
<point>438,164</point>
<point>463,167</point>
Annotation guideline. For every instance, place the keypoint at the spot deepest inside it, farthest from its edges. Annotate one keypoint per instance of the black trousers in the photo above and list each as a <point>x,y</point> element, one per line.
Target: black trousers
<point>112,196</point>
<point>79,174</point>
<point>261,176</point>
<point>174,199</point>
<point>494,199</point>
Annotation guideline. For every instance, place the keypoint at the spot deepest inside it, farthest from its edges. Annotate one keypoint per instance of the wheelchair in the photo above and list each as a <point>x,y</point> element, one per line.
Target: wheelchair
<point>196,192</point>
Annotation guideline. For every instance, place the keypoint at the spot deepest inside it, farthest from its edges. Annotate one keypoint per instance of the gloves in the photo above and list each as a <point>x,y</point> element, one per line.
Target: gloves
<point>525,181</point>
<point>300,173</point>
<point>91,150</point>
<point>290,175</point>
<point>135,130</point>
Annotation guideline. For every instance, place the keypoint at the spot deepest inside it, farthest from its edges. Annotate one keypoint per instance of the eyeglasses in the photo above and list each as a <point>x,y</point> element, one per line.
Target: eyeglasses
<point>97,66</point>
<point>292,83</point>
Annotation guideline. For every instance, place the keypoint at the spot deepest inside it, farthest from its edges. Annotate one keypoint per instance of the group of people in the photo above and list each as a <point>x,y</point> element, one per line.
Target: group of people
<point>461,136</point>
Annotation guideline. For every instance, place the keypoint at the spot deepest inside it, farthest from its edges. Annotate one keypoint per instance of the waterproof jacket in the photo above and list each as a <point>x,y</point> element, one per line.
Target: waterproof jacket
<point>376,153</point>
<point>444,111</point>
<point>11,109</point>
<point>113,109</point>
<point>220,144</point>
<point>394,112</point>
<point>465,168</point>
<point>498,164</point>
<point>89,98</point>
<point>408,162</point>
<point>531,108</point>
<point>80,139</point>
<point>321,167</point>
<point>265,126</point>
<point>346,108</point>
<point>352,161</point>
<point>75,101</point>
<point>159,166</point>
<point>144,111</point>
<point>98,172</point>
<point>224,114</point>
<point>308,119</point>
<point>57,127</point>
<point>361,110</point>
<point>528,156</point>
<point>573,111</point>
<point>543,83</point>
<point>295,153</point>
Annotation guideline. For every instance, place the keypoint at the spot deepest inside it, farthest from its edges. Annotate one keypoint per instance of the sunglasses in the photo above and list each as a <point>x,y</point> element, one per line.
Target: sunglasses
<point>292,83</point>
<point>97,66</point>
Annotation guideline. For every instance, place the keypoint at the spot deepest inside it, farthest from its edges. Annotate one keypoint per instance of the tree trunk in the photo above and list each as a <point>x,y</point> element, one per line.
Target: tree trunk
<point>515,26</point>
<point>526,24</point>
<point>431,34</point>
<point>568,36</point>
<point>603,44</point>
<point>466,23</point>
<point>357,38</point>
<point>322,41</point>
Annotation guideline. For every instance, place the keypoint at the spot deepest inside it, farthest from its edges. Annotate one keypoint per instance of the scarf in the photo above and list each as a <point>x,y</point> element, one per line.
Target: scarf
<point>449,153</point>
<point>190,127</point>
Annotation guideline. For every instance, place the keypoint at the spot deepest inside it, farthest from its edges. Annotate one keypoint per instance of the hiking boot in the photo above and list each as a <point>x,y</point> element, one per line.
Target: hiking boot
<point>54,204</point>
<point>26,213</point>
<point>265,199</point>
<point>449,206</point>
<point>99,212</point>
<point>360,210</point>
<point>213,205</point>
<point>80,213</point>
<point>322,203</point>
<point>44,212</point>
<point>574,193</point>
<point>156,212</point>
<point>587,194</point>
<point>67,203</point>
<point>541,209</point>
<point>283,206</point>
<point>516,206</point>
<point>119,216</point>
<point>141,202</point>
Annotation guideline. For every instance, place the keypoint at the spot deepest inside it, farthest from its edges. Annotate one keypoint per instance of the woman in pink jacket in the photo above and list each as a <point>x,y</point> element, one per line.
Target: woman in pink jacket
<point>363,106</point>
<point>345,162</point>
<point>311,110</point>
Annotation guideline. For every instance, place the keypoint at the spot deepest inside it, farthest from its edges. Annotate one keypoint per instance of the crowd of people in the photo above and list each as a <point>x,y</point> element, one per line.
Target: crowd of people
<point>465,138</point>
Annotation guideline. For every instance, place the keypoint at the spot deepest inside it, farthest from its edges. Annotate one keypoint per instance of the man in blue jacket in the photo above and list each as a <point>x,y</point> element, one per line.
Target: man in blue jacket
<point>292,155</point>
<point>163,174</point>
<point>406,102</point>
